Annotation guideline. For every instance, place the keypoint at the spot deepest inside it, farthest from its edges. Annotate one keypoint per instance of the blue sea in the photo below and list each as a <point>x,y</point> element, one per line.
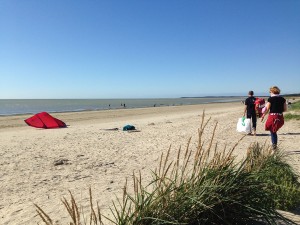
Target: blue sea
<point>32,106</point>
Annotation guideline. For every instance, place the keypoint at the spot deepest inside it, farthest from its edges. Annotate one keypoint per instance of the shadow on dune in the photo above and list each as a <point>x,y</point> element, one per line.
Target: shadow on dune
<point>296,211</point>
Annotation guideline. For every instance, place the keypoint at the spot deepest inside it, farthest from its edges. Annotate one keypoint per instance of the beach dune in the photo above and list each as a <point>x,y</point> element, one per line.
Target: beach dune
<point>40,166</point>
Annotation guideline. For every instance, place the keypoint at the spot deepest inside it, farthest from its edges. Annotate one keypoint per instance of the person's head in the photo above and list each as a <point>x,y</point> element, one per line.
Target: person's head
<point>275,90</point>
<point>251,93</point>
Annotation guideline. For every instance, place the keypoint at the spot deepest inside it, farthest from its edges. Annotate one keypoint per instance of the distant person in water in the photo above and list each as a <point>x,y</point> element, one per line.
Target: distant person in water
<point>249,110</point>
<point>276,105</point>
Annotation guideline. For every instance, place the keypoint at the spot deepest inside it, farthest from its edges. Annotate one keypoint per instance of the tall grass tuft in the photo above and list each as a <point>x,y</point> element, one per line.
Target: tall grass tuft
<point>205,186</point>
<point>279,178</point>
<point>77,217</point>
<point>202,185</point>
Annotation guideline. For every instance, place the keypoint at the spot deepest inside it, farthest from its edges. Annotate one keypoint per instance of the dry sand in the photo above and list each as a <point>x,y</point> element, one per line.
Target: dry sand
<point>102,159</point>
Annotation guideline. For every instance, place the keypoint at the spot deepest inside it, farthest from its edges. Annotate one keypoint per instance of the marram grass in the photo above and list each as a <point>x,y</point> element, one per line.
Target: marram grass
<point>290,116</point>
<point>279,178</point>
<point>202,186</point>
<point>294,114</point>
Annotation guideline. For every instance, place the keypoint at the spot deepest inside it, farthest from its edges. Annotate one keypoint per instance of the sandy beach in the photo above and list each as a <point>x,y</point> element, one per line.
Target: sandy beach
<point>91,153</point>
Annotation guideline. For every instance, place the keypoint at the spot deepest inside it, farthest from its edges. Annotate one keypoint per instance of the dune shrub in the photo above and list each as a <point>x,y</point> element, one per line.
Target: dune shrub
<point>295,106</point>
<point>290,116</point>
<point>294,114</point>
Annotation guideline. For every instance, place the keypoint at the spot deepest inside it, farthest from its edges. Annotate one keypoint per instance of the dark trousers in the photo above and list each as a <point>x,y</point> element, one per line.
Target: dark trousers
<point>274,138</point>
<point>252,116</point>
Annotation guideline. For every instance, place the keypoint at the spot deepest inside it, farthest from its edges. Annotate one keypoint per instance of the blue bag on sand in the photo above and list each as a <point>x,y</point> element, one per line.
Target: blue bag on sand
<point>128,127</point>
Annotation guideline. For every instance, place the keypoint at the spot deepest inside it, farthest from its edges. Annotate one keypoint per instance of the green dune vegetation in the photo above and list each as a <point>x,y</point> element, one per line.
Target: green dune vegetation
<point>293,112</point>
<point>204,185</point>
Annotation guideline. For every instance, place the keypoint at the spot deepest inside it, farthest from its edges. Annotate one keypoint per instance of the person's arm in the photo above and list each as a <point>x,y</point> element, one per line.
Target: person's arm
<point>245,110</point>
<point>285,107</point>
<point>268,105</point>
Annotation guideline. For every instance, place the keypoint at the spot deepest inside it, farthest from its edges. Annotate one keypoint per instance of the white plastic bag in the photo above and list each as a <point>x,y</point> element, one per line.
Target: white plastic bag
<point>244,125</point>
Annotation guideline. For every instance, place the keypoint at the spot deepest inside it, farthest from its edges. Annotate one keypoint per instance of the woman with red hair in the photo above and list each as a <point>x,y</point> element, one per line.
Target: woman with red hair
<point>276,105</point>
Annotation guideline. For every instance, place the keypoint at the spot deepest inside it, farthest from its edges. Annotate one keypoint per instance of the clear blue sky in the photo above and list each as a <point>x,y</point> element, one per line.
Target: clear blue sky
<point>148,48</point>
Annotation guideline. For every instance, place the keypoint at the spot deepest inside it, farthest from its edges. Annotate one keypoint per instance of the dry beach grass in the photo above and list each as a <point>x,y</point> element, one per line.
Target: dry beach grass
<point>89,155</point>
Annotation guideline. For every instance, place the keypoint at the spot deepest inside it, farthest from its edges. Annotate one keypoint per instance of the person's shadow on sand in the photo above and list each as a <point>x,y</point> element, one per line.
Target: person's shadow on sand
<point>293,152</point>
<point>278,133</point>
<point>290,134</point>
<point>261,135</point>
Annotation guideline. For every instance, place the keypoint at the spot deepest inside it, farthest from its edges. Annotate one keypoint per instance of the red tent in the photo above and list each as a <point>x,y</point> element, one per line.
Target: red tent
<point>44,120</point>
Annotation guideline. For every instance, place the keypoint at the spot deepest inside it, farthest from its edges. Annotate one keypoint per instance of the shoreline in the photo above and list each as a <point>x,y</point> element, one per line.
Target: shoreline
<point>10,121</point>
<point>103,159</point>
<point>32,106</point>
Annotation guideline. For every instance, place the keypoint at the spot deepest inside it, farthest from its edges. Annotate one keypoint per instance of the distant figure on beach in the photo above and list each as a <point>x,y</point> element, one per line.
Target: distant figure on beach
<point>276,105</point>
<point>249,110</point>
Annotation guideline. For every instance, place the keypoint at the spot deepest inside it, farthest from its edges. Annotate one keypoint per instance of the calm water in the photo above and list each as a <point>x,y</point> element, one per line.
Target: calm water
<point>32,106</point>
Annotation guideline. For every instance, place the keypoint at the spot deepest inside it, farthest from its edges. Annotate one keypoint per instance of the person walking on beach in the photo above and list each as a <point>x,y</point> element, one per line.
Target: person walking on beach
<point>276,105</point>
<point>249,110</point>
